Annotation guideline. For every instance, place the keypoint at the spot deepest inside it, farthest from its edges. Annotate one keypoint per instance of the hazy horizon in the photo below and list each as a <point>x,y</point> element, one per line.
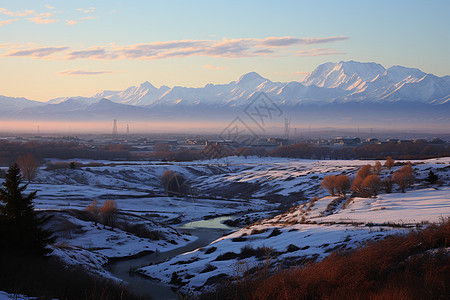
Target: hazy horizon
<point>208,128</point>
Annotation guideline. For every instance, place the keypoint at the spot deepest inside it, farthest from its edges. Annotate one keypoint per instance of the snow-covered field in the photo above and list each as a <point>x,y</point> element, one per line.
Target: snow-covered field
<point>250,189</point>
<point>298,235</point>
<point>308,231</point>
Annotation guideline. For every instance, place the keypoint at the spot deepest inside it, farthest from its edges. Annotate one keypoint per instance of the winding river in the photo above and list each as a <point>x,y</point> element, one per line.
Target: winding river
<point>206,231</point>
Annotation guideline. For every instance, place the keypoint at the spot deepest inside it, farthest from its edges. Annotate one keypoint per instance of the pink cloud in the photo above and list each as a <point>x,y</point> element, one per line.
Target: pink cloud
<point>226,48</point>
<point>73,22</point>
<point>78,72</point>
<point>86,10</point>
<point>44,18</point>
<point>8,21</point>
<point>36,52</point>
<point>23,13</point>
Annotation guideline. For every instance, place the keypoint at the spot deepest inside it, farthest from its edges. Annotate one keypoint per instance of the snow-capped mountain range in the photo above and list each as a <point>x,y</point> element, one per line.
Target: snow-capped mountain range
<point>342,82</point>
<point>331,85</point>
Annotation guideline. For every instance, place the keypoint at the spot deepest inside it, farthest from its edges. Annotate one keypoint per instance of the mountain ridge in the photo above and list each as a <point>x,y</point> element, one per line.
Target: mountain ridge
<point>339,92</point>
<point>342,81</point>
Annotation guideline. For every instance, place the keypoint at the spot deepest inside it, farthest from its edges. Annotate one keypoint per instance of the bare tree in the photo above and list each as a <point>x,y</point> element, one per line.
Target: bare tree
<point>108,212</point>
<point>370,186</point>
<point>377,167</point>
<point>329,183</point>
<point>29,166</point>
<point>389,162</point>
<point>364,171</point>
<point>356,185</point>
<point>94,210</point>
<point>387,185</point>
<point>404,177</point>
<point>342,184</point>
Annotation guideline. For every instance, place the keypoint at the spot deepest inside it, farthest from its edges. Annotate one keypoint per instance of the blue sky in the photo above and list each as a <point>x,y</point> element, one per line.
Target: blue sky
<point>66,48</point>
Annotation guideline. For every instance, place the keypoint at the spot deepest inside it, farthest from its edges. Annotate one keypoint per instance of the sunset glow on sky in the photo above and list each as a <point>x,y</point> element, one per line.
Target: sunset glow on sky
<point>55,48</point>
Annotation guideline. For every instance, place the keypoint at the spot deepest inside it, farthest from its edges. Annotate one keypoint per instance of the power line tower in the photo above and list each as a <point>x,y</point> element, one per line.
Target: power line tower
<point>287,127</point>
<point>128,129</point>
<point>114,131</point>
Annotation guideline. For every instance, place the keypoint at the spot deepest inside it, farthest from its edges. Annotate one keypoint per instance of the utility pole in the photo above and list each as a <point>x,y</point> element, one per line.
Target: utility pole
<point>114,131</point>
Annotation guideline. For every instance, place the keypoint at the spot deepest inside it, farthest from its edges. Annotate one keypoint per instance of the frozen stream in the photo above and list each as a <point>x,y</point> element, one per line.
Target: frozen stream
<point>206,231</point>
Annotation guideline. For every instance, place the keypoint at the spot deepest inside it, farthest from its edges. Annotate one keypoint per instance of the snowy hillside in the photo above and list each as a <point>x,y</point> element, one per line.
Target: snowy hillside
<point>309,231</point>
<point>246,193</point>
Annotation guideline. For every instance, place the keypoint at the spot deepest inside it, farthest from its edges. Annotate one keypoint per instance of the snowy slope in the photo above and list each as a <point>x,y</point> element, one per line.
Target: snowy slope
<point>345,75</point>
<point>144,94</point>
<point>306,233</point>
<point>228,186</point>
<point>312,230</point>
<point>12,104</point>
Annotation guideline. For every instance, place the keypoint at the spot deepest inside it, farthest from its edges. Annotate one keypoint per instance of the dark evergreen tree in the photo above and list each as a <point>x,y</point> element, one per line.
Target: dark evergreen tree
<point>20,228</point>
<point>432,178</point>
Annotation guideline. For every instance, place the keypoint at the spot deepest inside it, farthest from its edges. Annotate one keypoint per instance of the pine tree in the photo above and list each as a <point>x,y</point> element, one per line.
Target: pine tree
<point>432,178</point>
<point>20,227</point>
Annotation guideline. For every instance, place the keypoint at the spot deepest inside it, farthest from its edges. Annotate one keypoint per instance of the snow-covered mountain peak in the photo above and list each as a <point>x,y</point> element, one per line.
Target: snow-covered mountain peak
<point>344,75</point>
<point>147,86</point>
<point>398,73</point>
<point>366,71</point>
<point>78,99</point>
<point>251,78</point>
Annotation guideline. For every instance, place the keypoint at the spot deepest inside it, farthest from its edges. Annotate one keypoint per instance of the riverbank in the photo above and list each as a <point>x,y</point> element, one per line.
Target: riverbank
<point>206,232</point>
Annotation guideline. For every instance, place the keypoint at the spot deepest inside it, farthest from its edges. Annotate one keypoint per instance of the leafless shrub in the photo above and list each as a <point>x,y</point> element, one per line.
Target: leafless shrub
<point>141,230</point>
<point>364,171</point>
<point>108,213</point>
<point>370,186</point>
<point>404,177</point>
<point>386,183</point>
<point>94,210</point>
<point>329,183</point>
<point>29,166</point>
<point>378,167</point>
<point>389,162</point>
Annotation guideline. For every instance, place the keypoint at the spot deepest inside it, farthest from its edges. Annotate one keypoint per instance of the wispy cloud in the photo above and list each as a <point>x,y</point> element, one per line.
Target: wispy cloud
<point>49,6</point>
<point>92,53</point>
<point>86,10</point>
<point>78,72</point>
<point>36,52</point>
<point>289,41</point>
<point>73,22</point>
<point>318,52</point>
<point>8,21</point>
<point>32,16</point>
<point>212,67</point>
<point>226,48</point>
<point>23,13</point>
<point>44,18</point>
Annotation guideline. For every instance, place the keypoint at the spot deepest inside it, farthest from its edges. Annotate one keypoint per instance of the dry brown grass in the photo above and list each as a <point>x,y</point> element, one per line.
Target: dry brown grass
<point>416,266</point>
